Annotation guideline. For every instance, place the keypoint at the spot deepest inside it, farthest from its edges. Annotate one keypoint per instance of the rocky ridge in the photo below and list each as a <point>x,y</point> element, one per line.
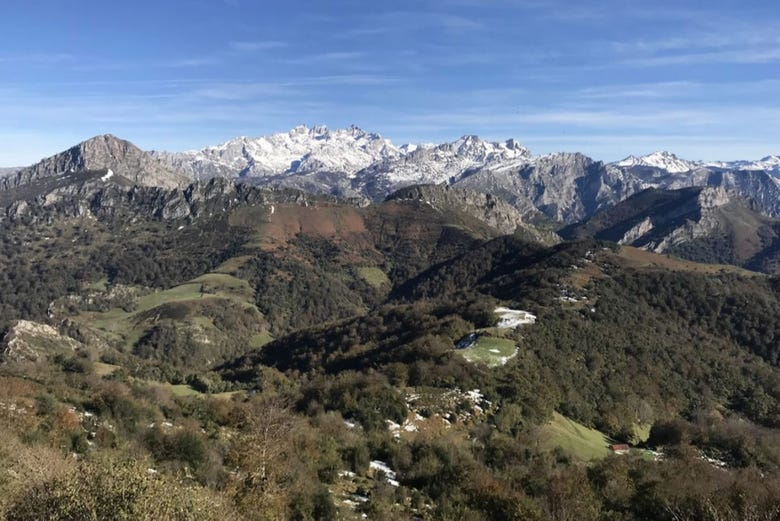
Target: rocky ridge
<point>104,152</point>
<point>487,208</point>
<point>707,224</point>
<point>351,163</point>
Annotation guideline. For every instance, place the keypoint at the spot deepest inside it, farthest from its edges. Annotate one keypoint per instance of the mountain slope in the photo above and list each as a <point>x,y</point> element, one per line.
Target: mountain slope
<point>104,152</point>
<point>492,210</point>
<point>701,224</point>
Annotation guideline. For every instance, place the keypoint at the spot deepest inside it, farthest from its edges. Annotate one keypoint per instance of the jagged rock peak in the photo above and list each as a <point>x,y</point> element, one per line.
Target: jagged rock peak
<point>474,147</point>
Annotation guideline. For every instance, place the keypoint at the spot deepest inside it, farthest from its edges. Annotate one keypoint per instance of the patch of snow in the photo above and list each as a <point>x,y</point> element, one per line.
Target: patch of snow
<point>390,474</point>
<point>475,395</point>
<point>108,175</point>
<point>504,359</point>
<point>715,462</point>
<point>512,318</point>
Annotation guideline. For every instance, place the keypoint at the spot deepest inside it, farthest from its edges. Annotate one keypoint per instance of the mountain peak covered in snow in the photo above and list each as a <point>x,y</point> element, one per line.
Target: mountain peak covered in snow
<point>302,149</point>
<point>660,159</point>
<point>768,164</point>
<point>444,163</point>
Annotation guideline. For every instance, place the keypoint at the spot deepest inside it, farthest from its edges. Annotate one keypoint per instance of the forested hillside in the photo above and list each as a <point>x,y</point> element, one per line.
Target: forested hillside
<point>308,359</point>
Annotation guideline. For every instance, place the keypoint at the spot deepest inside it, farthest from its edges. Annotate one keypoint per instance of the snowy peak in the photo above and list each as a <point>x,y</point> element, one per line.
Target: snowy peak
<point>345,161</point>
<point>434,164</point>
<point>476,149</point>
<point>301,150</point>
<point>768,164</point>
<point>660,159</point>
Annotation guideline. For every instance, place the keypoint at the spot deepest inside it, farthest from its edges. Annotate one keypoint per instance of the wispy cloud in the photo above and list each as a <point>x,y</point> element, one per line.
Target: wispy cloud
<point>735,56</point>
<point>742,43</point>
<point>193,62</point>
<point>254,46</point>
<point>407,22</point>
<point>331,57</point>
<point>658,90</point>
<point>457,23</point>
<point>39,58</point>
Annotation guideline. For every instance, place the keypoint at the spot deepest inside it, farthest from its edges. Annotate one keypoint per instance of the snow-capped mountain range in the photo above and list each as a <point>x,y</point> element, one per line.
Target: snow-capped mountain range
<point>299,151</point>
<point>352,153</point>
<point>669,162</point>
<point>565,187</point>
<point>359,155</point>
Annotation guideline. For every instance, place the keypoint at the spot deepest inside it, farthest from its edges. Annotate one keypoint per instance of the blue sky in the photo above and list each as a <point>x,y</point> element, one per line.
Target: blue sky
<point>607,78</point>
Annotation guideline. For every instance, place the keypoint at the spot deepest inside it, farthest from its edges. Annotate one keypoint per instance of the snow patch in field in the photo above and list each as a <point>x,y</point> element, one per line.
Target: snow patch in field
<point>512,318</point>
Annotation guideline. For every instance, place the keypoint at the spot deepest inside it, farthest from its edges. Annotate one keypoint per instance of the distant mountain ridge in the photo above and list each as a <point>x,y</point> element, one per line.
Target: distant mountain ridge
<point>355,164</point>
<point>567,187</point>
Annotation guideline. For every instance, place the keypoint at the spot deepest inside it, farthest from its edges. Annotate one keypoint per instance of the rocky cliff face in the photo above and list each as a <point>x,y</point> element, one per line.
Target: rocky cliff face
<point>28,341</point>
<point>709,224</point>
<point>565,187</point>
<point>102,153</point>
<point>489,209</point>
<point>93,197</point>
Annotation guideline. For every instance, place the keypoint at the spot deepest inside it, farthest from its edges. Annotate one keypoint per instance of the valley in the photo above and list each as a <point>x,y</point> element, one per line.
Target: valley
<point>232,348</point>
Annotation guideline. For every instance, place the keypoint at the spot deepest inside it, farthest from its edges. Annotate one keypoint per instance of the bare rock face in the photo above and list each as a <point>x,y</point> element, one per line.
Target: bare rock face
<point>565,187</point>
<point>637,231</point>
<point>104,152</point>
<point>487,208</point>
<point>713,197</point>
<point>30,341</point>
